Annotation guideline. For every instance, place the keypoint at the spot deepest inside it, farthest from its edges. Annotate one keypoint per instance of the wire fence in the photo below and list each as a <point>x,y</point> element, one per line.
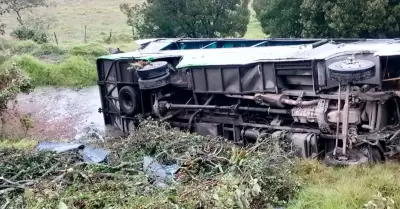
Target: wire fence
<point>88,35</point>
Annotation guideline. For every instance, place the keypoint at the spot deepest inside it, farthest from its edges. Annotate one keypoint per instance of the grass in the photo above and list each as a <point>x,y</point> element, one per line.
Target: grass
<point>334,188</point>
<point>254,29</point>
<point>48,64</point>
<point>99,16</point>
<point>19,144</point>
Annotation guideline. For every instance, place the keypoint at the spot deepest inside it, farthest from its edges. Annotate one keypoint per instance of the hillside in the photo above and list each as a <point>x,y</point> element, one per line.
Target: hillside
<point>71,16</point>
<point>100,17</point>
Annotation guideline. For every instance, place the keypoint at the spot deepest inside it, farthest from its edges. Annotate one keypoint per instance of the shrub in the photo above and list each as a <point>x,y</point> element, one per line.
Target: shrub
<point>36,29</point>
<point>74,71</point>
<point>19,47</point>
<point>26,32</point>
<point>88,50</point>
<point>12,81</point>
<point>120,38</point>
<point>49,49</point>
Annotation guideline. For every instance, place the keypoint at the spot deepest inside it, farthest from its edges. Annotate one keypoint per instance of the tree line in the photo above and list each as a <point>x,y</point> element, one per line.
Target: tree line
<point>183,18</point>
<point>279,18</point>
<point>229,18</point>
<point>329,18</point>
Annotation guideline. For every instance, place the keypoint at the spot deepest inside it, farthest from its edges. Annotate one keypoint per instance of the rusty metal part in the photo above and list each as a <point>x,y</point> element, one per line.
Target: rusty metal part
<point>394,135</point>
<point>252,134</point>
<point>345,124</point>
<point>279,100</point>
<point>373,116</point>
<point>305,144</point>
<point>320,113</point>
<point>369,114</point>
<point>273,99</point>
<point>199,110</point>
<point>228,108</point>
<point>171,115</point>
<point>284,128</point>
<point>365,96</point>
<point>354,116</point>
<point>382,116</point>
<point>377,116</point>
<point>157,109</point>
<point>391,79</point>
<point>241,97</point>
<point>352,135</point>
<point>208,129</point>
<point>313,114</point>
<point>374,96</point>
<point>299,103</point>
<point>338,121</point>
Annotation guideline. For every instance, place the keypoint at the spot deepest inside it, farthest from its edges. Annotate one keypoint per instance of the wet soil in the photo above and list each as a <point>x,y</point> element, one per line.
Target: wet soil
<point>59,113</point>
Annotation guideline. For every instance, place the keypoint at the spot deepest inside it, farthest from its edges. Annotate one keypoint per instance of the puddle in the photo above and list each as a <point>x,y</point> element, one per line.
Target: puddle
<point>60,113</point>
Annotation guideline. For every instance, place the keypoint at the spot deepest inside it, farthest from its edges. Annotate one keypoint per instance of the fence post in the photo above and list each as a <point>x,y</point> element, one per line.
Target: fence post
<point>85,35</point>
<point>55,37</point>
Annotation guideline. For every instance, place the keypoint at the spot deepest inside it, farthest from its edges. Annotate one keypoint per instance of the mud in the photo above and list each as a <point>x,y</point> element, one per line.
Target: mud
<point>59,113</point>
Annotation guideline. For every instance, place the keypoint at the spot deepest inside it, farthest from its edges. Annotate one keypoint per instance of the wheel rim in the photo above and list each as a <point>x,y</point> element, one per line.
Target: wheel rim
<point>127,100</point>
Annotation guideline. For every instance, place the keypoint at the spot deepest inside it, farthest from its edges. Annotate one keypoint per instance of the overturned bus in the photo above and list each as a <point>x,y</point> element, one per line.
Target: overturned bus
<point>331,99</point>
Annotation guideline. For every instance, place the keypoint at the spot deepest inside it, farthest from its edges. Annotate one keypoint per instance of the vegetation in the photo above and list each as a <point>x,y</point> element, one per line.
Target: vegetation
<point>352,187</point>
<point>213,174</point>
<point>254,29</point>
<point>339,18</point>
<point>181,18</point>
<point>47,64</point>
<point>12,81</point>
<point>35,29</point>
<point>17,7</point>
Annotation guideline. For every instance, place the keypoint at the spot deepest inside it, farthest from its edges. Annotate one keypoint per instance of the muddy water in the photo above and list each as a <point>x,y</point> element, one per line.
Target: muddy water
<point>60,113</point>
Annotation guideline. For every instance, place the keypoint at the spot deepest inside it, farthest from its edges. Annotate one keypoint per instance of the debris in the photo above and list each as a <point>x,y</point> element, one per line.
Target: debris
<point>153,164</point>
<point>159,174</point>
<point>115,50</point>
<point>90,133</point>
<point>89,154</point>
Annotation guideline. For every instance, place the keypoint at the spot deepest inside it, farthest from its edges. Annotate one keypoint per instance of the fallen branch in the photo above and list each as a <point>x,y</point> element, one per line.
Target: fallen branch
<point>6,204</point>
<point>8,181</point>
<point>49,171</point>
<point>4,191</point>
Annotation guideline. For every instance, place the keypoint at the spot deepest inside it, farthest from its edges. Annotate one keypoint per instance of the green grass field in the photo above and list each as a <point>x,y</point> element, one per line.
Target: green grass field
<point>100,18</point>
<point>254,28</point>
<point>71,16</point>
